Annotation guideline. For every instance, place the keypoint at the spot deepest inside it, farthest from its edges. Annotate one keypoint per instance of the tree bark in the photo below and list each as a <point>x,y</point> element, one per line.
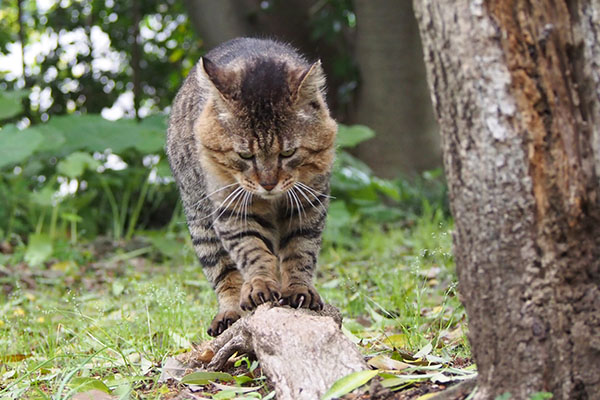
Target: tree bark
<point>393,97</point>
<point>516,89</point>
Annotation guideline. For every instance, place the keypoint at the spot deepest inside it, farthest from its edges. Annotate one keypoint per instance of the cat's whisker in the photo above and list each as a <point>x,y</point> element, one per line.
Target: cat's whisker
<point>218,208</point>
<point>226,203</point>
<point>214,192</point>
<point>238,204</point>
<point>301,191</point>
<point>298,203</point>
<point>247,199</point>
<point>234,199</point>
<point>289,206</point>
<point>312,190</point>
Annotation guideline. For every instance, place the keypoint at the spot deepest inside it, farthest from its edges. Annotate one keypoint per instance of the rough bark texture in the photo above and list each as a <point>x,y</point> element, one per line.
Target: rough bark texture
<point>301,352</point>
<point>515,85</point>
<point>392,97</point>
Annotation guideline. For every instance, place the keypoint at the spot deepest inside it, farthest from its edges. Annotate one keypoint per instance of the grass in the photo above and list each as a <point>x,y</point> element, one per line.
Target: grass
<point>109,320</point>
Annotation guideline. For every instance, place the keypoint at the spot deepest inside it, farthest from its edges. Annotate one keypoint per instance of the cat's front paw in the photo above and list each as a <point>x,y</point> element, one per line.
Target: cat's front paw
<point>222,321</point>
<point>258,291</point>
<point>301,295</point>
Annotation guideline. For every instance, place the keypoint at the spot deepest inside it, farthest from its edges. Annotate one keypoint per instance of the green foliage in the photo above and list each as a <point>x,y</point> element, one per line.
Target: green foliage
<point>39,249</point>
<point>360,195</point>
<point>111,317</point>
<point>11,103</point>
<point>348,383</point>
<point>88,61</point>
<point>16,146</point>
<point>541,396</point>
<point>63,178</point>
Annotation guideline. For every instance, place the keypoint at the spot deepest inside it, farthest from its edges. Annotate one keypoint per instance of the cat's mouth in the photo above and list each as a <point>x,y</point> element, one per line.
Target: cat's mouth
<point>270,195</point>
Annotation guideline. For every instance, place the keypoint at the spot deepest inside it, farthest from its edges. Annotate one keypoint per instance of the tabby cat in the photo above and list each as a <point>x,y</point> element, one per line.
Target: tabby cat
<point>251,144</point>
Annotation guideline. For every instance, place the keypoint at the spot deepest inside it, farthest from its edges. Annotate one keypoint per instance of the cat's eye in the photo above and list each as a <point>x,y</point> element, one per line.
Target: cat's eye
<point>246,155</point>
<point>287,153</point>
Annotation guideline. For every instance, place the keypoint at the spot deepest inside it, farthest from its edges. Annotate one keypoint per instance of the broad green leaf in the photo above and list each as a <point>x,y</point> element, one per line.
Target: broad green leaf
<point>10,103</point>
<point>91,132</point>
<point>39,249</point>
<point>204,377</point>
<point>16,146</point>
<point>348,383</point>
<point>53,139</point>
<point>81,384</point>
<point>43,197</point>
<point>350,136</point>
<point>386,187</point>
<point>76,163</point>
<point>163,169</point>
<point>225,395</point>
<point>241,379</point>
<point>71,217</point>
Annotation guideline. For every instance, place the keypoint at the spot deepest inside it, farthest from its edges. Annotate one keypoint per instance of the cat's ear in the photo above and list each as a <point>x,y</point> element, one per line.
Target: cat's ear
<point>224,81</point>
<point>310,84</point>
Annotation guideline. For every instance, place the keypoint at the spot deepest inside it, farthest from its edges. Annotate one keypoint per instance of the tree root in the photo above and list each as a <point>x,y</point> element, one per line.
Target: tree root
<point>301,352</point>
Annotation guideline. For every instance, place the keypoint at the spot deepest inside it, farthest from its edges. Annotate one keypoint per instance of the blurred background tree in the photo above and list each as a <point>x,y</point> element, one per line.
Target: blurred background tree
<point>69,67</point>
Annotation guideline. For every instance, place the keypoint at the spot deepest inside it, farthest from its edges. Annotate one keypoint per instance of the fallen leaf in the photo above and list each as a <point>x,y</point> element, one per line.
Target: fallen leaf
<point>237,389</point>
<point>172,369</point>
<point>424,351</point>
<point>205,377</point>
<point>384,362</point>
<point>206,355</point>
<point>396,341</point>
<point>14,357</point>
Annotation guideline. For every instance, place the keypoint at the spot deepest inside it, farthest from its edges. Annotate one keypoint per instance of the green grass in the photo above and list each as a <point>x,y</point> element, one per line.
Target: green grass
<point>87,321</point>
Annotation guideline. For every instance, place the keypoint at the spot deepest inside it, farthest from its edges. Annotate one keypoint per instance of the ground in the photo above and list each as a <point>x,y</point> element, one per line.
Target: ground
<point>106,316</point>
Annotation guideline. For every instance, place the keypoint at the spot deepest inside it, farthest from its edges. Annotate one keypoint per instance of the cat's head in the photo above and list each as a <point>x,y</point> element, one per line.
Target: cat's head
<point>265,124</point>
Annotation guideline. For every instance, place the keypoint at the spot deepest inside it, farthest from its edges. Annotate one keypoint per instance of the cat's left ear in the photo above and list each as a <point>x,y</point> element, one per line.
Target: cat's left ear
<point>310,84</point>
<point>224,81</point>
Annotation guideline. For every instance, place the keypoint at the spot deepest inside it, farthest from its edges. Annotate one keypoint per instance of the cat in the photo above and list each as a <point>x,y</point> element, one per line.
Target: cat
<point>251,144</point>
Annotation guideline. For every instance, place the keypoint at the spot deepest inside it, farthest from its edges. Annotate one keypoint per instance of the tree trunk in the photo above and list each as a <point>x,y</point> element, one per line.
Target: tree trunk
<point>392,97</point>
<point>219,21</point>
<point>515,85</point>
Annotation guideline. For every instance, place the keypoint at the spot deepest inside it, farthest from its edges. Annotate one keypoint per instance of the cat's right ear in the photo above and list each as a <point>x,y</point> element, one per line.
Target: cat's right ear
<point>223,81</point>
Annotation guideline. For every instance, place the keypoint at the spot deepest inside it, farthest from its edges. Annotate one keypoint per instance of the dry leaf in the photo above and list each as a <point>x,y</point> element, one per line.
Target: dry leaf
<point>387,363</point>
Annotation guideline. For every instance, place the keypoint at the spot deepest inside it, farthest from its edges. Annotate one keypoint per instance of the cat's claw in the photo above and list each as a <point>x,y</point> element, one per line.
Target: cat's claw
<point>257,292</point>
<point>222,321</point>
<point>301,295</point>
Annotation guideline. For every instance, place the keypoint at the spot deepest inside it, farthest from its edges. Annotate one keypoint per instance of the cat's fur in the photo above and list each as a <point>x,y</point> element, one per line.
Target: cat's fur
<point>239,114</point>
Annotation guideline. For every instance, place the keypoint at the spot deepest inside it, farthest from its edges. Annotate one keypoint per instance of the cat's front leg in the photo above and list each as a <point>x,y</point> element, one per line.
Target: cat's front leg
<point>252,250</point>
<point>220,270</point>
<point>298,251</point>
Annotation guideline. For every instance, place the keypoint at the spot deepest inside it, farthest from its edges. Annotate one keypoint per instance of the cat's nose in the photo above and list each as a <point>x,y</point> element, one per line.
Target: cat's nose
<point>268,185</point>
